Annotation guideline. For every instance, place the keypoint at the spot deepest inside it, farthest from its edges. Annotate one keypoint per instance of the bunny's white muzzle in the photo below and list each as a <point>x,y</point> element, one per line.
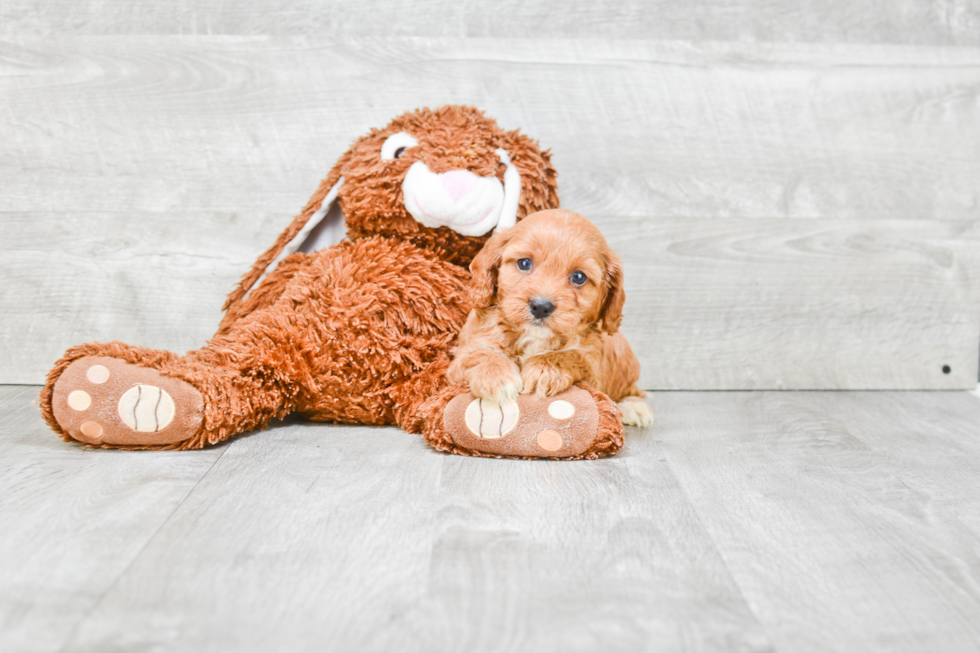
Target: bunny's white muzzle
<point>466,203</point>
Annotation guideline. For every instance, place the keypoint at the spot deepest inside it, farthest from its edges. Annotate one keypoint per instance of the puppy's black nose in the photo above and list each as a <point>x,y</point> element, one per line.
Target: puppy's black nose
<point>541,307</point>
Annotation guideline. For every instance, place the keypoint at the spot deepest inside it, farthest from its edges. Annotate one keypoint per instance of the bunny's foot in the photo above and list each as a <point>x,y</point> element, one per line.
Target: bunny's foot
<point>104,401</point>
<point>579,423</point>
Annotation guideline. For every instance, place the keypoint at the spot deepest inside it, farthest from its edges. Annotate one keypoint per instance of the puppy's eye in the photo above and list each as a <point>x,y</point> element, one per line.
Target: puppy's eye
<point>578,278</point>
<point>395,145</point>
<point>524,264</point>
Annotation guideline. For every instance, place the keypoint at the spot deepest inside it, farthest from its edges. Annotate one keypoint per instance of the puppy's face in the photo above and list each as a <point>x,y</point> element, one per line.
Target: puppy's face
<point>553,270</point>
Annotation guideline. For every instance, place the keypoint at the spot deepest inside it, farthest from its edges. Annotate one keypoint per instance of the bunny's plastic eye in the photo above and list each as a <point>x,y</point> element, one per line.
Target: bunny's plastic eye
<point>395,145</point>
<point>524,264</point>
<point>578,278</point>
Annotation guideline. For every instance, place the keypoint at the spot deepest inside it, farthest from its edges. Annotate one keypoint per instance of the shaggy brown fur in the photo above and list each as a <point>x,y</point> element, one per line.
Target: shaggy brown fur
<point>454,138</point>
<point>359,332</point>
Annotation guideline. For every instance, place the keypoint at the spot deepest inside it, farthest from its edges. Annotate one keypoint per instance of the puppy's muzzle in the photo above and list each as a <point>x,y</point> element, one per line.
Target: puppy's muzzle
<point>541,307</point>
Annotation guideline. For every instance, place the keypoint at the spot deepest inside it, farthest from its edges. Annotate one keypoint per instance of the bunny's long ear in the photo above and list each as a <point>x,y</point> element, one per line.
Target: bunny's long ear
<point>320,224</point>
<point>483,285</point>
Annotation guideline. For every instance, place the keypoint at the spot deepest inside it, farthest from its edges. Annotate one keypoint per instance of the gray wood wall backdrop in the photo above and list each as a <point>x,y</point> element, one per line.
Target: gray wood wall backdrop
<point>795,186</point>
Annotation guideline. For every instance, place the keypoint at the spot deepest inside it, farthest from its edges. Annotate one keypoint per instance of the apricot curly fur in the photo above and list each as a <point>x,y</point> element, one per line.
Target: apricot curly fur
<point>578,340</point>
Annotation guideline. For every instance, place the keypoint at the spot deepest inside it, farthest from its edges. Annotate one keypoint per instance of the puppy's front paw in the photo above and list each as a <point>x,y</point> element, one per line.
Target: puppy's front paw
<point>636,412</point>
<point>544,380</point>
<point>499,380</point>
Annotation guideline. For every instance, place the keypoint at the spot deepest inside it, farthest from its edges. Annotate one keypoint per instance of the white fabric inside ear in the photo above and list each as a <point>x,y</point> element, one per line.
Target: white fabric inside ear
<point>328,231</point>
<point>512,192</point>
<point>323,229</point>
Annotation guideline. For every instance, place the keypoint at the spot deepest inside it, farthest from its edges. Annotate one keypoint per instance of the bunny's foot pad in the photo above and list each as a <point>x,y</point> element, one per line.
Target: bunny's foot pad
<point>101,401</point>
<point>570,425</point>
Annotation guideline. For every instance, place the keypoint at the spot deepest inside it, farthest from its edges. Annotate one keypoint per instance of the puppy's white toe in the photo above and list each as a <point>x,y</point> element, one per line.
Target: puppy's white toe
<point>636,412</point>
<point>507,392</point>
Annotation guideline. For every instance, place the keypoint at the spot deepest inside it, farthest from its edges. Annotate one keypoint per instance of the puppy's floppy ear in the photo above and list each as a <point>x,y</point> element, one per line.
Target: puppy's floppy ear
<point>483,286</point>
<point>612,309</point>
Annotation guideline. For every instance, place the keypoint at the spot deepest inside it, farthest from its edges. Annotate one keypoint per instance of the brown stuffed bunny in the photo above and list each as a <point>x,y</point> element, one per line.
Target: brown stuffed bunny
<point>359,331</point>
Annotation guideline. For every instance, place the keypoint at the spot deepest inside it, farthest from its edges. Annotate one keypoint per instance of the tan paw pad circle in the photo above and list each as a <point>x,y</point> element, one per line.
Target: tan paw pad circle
<point>91,430</point>
<point>79,400</point>
<point>146,408</point>
<point>97,374</point>
<point>550,440</point>
<point>485,418</point>
<point>561,409</point>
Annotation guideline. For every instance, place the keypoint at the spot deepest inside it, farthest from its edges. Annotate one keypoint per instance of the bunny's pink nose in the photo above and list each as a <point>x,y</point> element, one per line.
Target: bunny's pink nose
<point>458,183</point>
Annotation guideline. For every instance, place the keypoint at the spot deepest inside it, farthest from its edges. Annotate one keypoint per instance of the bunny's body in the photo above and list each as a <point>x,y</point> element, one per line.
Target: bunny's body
<point>356,332</point>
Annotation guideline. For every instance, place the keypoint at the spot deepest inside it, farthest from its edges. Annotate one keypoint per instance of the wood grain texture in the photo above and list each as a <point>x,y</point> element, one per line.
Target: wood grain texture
<point>765,521</point>
<point>603,556</point>
<point>711,304</point>
<point>377,543</point>
<point>143,278</point>
<point>251,124</point>
<point>309,536</point>
<point>837,21</point>
<point>144,174</point>
<point>936,468</point>
<point>73,520</point>
<point>835,544</point>
<point>800,304</point>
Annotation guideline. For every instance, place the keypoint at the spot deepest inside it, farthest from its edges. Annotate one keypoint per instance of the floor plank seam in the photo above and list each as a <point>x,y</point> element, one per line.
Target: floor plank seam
<point>718,551</point>
<point>129,565</point>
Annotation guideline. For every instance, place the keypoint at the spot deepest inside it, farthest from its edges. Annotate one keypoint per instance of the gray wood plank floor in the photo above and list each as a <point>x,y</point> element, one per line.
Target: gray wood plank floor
<point>796,521</point>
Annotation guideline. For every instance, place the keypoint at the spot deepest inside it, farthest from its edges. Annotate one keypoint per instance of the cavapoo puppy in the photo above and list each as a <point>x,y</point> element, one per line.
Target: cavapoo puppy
<point>548,299</point>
